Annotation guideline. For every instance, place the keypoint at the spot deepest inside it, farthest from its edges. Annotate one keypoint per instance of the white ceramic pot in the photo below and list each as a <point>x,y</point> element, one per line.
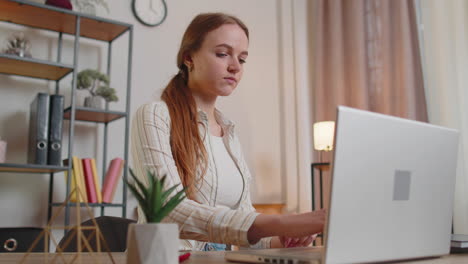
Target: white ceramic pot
<point>94,102</point>
<point>155,243</point>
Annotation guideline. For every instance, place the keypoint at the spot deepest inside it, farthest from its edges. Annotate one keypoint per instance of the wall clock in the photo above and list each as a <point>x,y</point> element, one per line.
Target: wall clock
<point>150,12</point>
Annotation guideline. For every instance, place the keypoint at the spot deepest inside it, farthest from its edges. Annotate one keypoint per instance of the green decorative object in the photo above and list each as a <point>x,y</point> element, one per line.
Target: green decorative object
<point>97,85</point>
<point>153,199</point>
<point>154,242</point>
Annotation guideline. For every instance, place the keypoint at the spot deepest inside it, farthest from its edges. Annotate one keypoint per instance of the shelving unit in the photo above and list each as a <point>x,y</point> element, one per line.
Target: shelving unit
<point>64,21</point>
<point>29,67</point>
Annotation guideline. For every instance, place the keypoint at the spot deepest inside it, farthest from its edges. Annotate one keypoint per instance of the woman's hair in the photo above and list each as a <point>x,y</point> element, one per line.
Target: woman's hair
<point>186,142</point>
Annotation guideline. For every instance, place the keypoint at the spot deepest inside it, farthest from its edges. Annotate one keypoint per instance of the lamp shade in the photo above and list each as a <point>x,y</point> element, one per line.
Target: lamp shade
<point>323,135</point>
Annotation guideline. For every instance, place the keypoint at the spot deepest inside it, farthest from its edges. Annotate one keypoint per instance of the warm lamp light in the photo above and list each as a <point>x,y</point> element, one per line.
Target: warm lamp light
<point>323,135</point>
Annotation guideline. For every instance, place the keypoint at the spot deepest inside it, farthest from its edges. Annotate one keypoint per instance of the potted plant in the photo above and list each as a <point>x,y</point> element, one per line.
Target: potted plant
<point>154,242</point>
<point>19,45</point>
<point>97,85</point>
<point>90,6</point>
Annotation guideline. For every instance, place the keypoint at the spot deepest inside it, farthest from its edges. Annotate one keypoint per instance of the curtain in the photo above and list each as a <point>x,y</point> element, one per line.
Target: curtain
<point>445,43</point>
<point>366,55</point>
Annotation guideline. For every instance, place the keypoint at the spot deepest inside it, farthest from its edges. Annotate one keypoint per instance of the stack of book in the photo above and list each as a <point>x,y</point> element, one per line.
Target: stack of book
<point>45,130</point>
<point>459,243</point>
<point>85,179</point>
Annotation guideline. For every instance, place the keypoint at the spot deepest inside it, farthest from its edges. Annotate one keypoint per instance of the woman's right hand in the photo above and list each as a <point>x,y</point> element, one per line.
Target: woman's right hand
<point>293,226</point>
<point>286,242</point>
<point>301,225</point>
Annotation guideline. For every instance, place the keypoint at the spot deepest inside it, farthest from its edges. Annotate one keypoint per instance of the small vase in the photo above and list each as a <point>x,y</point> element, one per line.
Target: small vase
<point>153,243</point>
<point>94,102</point>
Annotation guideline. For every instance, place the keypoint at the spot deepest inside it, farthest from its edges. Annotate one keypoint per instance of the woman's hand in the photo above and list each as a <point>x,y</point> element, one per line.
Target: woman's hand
<point>303,225</point>
<point>287,242</point>
<point>289,226</point>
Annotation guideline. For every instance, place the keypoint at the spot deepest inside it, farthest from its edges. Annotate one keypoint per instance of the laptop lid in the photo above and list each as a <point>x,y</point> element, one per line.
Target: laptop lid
<point>392,188</point>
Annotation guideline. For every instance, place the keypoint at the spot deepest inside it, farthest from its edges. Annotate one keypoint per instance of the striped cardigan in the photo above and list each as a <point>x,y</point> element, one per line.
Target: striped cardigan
<point>202,220</point>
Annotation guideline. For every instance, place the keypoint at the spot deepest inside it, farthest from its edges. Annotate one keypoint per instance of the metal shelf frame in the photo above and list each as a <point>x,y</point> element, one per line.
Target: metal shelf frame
<point>30,168</point>
<point>78,25</point>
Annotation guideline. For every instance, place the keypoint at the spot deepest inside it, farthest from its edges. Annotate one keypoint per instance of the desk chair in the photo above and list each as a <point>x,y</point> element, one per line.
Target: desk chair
<point>114,231</point>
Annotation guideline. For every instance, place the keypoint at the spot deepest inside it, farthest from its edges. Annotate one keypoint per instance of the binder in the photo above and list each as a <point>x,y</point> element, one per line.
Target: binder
<point>54,156</point>
<point>38,129</point>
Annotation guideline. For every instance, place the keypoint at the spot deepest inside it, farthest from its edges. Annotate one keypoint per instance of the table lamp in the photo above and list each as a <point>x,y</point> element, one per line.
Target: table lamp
<point>324,133</point>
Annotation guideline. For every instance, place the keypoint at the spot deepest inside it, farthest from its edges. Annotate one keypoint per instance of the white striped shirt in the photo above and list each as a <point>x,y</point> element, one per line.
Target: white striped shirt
<point>202,220</point>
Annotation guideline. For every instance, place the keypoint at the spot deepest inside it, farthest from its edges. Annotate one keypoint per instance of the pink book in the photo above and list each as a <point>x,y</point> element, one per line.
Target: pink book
<point>89,181</point>
<point>111,180</point>
<point>120,174</point>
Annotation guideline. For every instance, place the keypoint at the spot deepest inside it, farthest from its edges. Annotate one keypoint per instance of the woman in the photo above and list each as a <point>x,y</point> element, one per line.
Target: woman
<point>189,139</point>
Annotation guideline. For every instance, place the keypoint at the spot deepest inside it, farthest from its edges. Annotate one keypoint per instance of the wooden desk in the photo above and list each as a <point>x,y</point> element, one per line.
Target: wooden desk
<point>201,258</point>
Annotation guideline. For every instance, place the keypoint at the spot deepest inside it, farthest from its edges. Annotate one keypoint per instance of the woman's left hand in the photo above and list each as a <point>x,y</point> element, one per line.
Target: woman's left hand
<point>287,242</point>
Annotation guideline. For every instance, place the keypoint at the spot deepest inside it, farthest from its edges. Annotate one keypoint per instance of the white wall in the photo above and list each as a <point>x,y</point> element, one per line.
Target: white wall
<point>264,106</point>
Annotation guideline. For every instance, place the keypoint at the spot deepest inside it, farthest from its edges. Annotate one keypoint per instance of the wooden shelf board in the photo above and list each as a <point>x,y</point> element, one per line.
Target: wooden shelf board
<point>30,168</point>
<point>60,20</point>
<point>94,115</point>
<point>12,64</point>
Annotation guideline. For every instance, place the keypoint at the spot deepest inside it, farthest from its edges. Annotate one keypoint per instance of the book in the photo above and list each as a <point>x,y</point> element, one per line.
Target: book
<point>80,182</point>
<point>54,155</point>
<point>459,241</point>
<point>38,129</point>
<point>96,180</point>
<point>89,181</point>
<point>119,173</point>
<point>111,180</point>
<point>72,183</point>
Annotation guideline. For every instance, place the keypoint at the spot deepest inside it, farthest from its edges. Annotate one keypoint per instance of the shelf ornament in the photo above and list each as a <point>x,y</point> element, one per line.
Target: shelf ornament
<point>154,241</point>
<point>97,85</point>
<point>18,45</point>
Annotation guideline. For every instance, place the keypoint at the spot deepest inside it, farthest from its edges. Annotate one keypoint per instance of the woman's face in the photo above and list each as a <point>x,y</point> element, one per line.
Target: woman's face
<point>218,64</point>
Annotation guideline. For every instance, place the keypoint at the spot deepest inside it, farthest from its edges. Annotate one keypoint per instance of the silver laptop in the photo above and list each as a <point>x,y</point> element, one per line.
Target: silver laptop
<point>391,195</point>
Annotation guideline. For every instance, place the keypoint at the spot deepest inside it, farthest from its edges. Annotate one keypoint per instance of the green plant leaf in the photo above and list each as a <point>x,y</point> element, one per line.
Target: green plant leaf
<point>157,199</point>
<point>138,196</point>
<point>171,204</point>
<point>175,197</point>
<point>141,186</point>
<point>169,207</point>
<point>152,199</point>
<point>108,93</point>
<point>167,192</point>
<point>152,194</point>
